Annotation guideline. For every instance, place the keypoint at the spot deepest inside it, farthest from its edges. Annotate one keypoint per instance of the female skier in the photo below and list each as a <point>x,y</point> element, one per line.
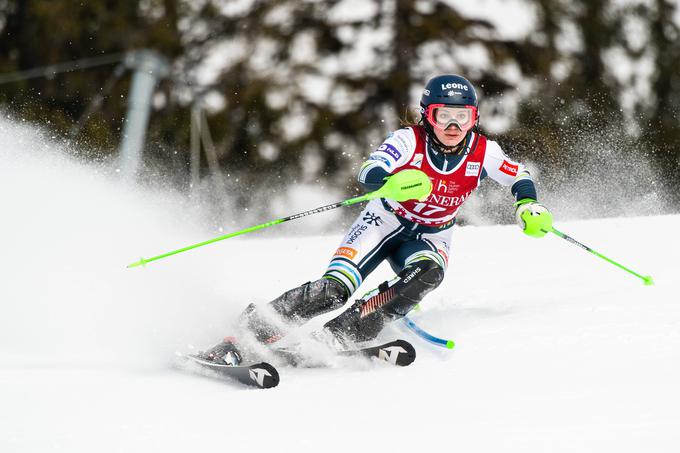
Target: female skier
<point>446,154</point>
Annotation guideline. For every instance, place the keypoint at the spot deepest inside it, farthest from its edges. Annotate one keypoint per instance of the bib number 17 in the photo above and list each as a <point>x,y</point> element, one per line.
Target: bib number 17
<point>427,209</point>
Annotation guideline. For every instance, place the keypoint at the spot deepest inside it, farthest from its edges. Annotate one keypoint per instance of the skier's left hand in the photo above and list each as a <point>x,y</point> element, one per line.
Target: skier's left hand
<point>533,218</point>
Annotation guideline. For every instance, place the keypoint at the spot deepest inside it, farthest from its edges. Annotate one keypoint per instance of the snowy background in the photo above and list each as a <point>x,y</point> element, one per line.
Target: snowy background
<point>574,355</point>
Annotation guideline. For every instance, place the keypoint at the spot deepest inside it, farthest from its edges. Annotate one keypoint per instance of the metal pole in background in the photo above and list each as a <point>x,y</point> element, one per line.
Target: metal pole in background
<point>211,154</point>
<point>200,134</point>
<point>195,162</point>
<point>148,66</point>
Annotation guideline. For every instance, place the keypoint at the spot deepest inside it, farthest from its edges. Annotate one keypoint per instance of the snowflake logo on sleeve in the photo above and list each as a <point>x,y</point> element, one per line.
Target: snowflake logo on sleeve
<point>373,219</point>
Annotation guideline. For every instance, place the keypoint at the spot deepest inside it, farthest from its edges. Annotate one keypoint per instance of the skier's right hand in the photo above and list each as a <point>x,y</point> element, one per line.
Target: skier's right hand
<point>407,185</point>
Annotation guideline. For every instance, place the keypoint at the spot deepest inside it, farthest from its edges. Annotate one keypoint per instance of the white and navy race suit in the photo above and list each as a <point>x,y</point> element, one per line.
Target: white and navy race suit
<point>404,232</point>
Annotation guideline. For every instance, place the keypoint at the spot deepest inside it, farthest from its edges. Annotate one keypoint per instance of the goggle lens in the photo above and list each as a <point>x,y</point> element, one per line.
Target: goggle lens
<point>443,116</point>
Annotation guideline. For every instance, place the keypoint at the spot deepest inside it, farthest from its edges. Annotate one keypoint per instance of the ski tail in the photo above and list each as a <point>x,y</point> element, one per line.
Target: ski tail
<point>397,352</point>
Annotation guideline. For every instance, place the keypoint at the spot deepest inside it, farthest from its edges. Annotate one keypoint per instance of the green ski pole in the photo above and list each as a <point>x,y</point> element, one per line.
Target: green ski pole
<point>646,279</point>
<point>348,202</point>
<point>412,184</point>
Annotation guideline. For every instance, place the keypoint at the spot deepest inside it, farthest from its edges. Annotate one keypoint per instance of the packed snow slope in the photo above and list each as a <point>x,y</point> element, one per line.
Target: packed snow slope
<point>556,350</point>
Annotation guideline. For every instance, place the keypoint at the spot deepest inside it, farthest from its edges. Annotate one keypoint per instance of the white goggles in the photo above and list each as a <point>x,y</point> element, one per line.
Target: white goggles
<point>443,116</point>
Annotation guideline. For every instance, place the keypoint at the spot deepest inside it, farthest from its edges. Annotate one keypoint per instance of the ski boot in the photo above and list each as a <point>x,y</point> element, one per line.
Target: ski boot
<point>224,353</point>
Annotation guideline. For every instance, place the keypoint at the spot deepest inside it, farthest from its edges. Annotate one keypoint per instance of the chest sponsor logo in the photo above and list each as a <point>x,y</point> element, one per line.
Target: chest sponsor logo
<point>444,201</point>
<point>472,168</point>
<point>347,252</point>
<point>508,168</point>
<point>446,186</point>
<point>417,160</point>
<point>389,149</point>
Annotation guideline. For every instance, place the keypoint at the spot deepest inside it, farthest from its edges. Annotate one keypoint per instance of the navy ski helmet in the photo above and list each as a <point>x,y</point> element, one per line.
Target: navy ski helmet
<point>448,90</point>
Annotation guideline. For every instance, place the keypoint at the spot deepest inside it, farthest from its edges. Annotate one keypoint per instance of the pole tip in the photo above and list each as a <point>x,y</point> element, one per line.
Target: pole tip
<point>450,344</point>
<point>648,280</point>
<point>141,262</point>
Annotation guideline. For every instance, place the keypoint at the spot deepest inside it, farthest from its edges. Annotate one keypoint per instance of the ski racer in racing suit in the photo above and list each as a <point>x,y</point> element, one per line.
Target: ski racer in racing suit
<point>445,151</point>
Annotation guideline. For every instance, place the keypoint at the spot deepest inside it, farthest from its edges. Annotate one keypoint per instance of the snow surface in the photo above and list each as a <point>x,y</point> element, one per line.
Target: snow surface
<point>556,350</point>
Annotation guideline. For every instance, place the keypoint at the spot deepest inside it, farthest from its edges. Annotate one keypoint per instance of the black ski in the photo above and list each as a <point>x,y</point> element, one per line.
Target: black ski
<point>261,375</point>
<point>397,352</point>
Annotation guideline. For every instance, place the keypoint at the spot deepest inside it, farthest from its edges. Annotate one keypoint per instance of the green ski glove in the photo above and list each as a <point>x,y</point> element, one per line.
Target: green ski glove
<point>533,218</point>
<point>407,185</point>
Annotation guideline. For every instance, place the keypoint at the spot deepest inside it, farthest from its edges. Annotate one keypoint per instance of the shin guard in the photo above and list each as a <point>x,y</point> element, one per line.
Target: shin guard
<point>364,320</point>
<point>293,308</point>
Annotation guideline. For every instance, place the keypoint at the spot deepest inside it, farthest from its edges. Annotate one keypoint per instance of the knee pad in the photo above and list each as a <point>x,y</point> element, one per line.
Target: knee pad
<point>418,279</point>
